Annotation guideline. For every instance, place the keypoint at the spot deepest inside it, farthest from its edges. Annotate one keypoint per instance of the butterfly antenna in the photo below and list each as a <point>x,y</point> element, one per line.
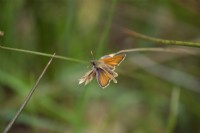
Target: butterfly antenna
<point>92,55</point>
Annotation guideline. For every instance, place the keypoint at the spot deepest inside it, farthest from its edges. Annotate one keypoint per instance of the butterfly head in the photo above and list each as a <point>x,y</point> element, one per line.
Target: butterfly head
<point>94,63</point>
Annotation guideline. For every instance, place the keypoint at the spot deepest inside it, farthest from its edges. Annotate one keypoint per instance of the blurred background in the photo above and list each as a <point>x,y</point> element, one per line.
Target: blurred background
<point>156,92</point>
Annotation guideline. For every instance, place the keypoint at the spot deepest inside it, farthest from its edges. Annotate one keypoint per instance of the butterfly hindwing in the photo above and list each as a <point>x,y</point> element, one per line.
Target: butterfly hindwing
<point>88,77</point>
<point>103,78</point>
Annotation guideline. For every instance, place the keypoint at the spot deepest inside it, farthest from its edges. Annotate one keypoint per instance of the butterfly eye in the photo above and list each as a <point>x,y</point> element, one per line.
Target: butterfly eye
<point>93,63</point>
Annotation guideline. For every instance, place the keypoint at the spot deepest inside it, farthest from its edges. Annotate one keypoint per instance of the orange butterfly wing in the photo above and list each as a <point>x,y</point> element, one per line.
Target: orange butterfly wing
<point>113,60</point>
<point>102,77</point>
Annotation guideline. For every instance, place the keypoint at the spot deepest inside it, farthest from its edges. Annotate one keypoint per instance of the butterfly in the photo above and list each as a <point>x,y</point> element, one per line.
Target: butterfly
<point>103,69</point>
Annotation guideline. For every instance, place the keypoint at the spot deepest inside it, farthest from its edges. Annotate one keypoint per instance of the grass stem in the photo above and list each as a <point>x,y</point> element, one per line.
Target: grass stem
<point>158,40</point>
<point>160,49</point>
<point>44,54</point>
<point>27,98</point>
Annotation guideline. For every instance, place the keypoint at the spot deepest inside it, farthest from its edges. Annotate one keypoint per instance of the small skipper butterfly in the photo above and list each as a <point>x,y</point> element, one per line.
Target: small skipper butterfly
<point>103,69</point>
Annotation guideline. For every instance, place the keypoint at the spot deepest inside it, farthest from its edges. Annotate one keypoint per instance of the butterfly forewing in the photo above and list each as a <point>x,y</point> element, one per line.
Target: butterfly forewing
<point>113,60</point>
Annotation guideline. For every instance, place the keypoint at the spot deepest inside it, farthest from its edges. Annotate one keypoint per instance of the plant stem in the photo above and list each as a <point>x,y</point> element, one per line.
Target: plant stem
<point>44,54</point>
<point>28,97</point>
<point>158,40</point>
<point>171,50</point>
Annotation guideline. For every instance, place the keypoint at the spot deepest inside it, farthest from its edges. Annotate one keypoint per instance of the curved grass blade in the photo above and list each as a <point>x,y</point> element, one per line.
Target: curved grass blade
<point>8,127</point>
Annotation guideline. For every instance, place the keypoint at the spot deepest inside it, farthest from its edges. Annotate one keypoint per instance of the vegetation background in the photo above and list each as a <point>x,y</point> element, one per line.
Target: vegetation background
<point>156,92</point>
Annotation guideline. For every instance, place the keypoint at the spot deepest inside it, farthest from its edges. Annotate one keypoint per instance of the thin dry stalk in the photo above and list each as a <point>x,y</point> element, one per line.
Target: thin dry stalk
<point>10,124</point>
<point>170,50</point>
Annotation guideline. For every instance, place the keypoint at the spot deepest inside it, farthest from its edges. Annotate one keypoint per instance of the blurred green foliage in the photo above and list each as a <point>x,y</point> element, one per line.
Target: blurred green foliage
<point>142,99</point>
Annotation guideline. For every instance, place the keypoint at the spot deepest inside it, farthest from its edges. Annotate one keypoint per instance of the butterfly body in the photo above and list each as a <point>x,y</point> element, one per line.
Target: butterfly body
<point>95,63</point>
<point>103,70</point>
